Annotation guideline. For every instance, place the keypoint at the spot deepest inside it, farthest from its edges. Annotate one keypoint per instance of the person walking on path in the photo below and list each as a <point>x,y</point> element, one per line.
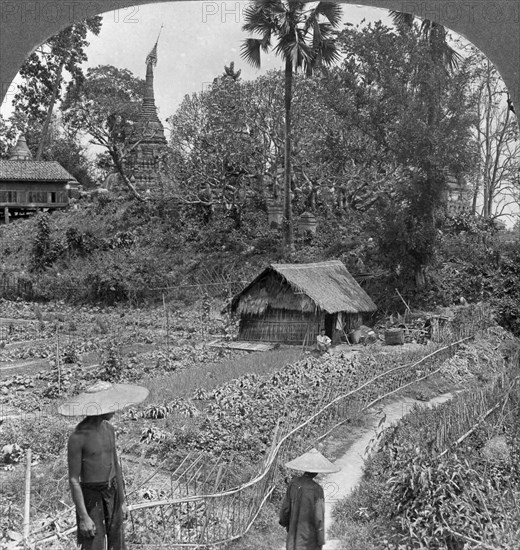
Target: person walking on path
<point>303,508</point>
<point>95,476</point>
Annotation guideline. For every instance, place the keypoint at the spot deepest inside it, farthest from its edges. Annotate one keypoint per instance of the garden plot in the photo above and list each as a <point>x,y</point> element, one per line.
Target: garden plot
<point>53,349</point>
<point>203,401</point>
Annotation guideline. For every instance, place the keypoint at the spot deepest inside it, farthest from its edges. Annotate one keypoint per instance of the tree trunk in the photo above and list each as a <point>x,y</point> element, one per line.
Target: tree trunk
<point>476,191</point>
<point>288,221</point>
<point>420,278</point>
<point>119,166</point>
<point>45,129</point>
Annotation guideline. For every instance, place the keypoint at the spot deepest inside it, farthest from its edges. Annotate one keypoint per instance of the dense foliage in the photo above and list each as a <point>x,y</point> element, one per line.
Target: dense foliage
<point>371,155</point>
<point>421,491</point>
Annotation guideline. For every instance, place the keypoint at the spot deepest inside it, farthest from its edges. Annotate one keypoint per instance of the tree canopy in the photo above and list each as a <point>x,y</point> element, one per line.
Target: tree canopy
<point>42,74</point>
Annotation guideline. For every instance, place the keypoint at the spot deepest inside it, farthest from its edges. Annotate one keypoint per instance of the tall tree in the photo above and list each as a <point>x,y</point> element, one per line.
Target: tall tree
<point>496,179</point>
<point>217,144</point>
<point>8,134</point>
<point>105,106</point>
<point>380,91</point>
<point>304,35</point>
<point>443,60</point>
<point>43,73</point>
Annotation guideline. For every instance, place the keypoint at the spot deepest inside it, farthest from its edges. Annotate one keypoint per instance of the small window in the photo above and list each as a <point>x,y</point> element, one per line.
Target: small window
<point>36,197</point>
<point>8,196</point>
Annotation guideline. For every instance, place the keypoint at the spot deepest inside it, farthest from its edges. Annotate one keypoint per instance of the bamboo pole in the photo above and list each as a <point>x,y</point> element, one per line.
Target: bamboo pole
<point>167,318</point>
<point>27,506</point>
<point>58,366</point>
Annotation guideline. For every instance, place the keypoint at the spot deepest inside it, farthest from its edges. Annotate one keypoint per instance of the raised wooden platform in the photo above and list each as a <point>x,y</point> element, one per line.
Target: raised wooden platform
<point>246,346</point>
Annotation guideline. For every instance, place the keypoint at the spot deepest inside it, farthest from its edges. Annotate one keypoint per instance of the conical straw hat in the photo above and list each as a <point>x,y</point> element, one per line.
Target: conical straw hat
<point>313,462</point>
<point>103,398</point>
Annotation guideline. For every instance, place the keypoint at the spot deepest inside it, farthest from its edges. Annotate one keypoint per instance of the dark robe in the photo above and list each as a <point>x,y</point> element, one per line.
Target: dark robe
<point>303,514</point>
<point>104,506</point>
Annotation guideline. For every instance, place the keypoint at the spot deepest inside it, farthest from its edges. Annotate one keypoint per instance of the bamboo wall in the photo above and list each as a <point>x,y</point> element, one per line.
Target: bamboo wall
<point>281,325</point>
<point>292,327</point>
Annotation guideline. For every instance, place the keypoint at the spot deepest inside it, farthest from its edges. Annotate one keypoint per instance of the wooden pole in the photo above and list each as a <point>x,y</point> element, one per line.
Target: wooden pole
<point>58,366</point>
<point>27,507</point>
<point>407,306</point>
<point>167,331</point>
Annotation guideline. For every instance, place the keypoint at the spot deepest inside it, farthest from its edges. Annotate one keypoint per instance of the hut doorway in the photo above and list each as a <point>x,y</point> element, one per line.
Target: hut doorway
<point>329,324</point>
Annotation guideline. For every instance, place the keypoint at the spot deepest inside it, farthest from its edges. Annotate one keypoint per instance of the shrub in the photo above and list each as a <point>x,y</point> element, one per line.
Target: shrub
<point>44,434</point>
<point>113,367</point>
<point>45,250</point>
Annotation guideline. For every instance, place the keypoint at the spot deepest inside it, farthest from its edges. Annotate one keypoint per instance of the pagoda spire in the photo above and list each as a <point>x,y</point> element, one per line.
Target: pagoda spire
<point>148,119</point>
<point>20,151</point>
<point>148,142</point>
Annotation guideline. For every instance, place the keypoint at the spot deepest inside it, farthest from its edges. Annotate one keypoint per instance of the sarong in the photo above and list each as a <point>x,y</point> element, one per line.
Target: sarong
<point>105,509</point>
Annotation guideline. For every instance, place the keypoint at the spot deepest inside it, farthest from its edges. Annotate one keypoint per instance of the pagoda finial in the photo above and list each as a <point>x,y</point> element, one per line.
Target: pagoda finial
<point>151,58</point>
<point>158,36</point>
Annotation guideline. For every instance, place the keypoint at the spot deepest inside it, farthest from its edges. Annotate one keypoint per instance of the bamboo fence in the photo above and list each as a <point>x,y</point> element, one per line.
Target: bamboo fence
<point>202,509</point>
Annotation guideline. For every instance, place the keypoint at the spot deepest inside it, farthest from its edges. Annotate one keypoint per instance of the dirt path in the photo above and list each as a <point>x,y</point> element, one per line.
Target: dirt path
<point>339,485</point>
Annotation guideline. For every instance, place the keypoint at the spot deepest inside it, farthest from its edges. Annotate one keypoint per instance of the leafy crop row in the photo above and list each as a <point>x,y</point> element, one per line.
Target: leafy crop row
<point>241,416</point>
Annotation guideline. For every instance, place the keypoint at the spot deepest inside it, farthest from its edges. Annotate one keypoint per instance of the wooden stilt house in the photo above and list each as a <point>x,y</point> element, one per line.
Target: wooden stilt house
<point>291,303</point>
<point>28,185</point>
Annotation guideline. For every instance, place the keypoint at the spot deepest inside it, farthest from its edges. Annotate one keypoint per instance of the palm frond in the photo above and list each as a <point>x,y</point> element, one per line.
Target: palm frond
<point>284,46</point>
<point>257,21</point>
<point>402,19</point>
<point>452,58</point>
<point>306,58</point>
<point>436,35</point>
<point>266,42</point>
<point>316,34</point>
<point>295,8</point>
<point>327,31</point>
<point>328,53</point>
<point>250,51</point>
<point>331,11</point>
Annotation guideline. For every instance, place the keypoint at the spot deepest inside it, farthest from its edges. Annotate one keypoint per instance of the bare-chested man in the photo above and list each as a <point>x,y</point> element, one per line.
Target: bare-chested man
<point>96,484</point>
<point>95,476</point>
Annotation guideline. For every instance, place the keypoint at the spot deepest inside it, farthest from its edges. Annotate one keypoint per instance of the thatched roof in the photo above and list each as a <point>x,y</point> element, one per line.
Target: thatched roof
<point>306,287</point>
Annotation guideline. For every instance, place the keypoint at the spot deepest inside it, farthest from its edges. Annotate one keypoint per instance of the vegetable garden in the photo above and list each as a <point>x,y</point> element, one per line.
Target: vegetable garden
<point>199,467</point>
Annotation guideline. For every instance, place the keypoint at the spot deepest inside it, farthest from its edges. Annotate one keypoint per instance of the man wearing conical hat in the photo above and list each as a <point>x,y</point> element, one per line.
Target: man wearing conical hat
<point>303,508</point>
<point>95,476</point>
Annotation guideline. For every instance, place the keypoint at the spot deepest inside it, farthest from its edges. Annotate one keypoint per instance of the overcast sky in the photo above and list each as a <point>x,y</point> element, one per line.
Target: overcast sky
<point>197,40</point>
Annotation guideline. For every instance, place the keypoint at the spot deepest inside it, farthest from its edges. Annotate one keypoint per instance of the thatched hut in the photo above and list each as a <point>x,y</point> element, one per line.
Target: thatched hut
<point>291,303</point>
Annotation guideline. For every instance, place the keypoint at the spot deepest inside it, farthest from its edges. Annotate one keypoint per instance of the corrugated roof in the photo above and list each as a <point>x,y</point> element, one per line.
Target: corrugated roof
<point>328,284</point>
<point>33,170</point>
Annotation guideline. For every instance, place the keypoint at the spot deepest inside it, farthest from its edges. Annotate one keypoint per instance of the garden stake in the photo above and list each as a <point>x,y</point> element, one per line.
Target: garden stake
<point>58,367</point>
<point>126,495</point>
<point>27,507</point>
<point>167,330</point>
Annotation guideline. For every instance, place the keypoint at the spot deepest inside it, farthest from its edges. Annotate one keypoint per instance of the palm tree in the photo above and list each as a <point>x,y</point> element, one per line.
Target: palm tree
<point>435,34</point>
<point>304,35</point>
